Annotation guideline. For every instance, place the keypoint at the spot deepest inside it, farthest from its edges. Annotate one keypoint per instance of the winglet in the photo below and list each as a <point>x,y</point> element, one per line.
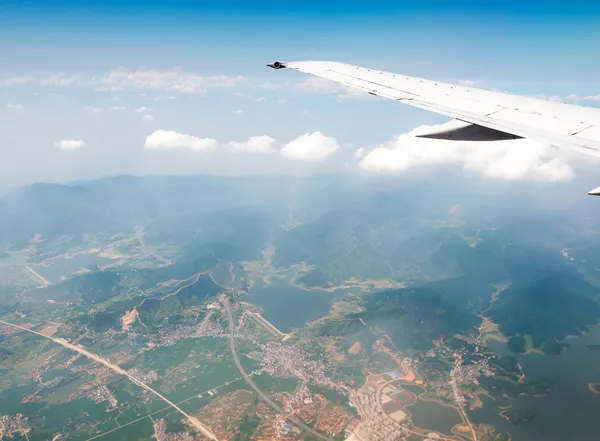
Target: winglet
<point>277,65</point>
<point>594,192</point>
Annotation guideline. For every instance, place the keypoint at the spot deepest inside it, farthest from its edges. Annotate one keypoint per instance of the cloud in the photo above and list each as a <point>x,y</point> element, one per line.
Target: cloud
<point>591,98</point>
<point>521,159</point>
<point>53,80</point>
<point>148,117</point>
<point>282,101</point>
<point>69,144</point>
<point>169,140</point>
<point>58,80</point>
<point>173,80</point>
<point>16,81</point>
<point>317,84</point>
<point>325,86</point>
<point>311,147</point>
<point>238,112</point>
<point>255,144</point>
<point>267,85</point>
<point>469,83</point>
<point>12,106</point>
<point>260,99</point>
<point>118,108</point>
<point>93,109</point>
<point>143,109</point>
<point>554,98</point>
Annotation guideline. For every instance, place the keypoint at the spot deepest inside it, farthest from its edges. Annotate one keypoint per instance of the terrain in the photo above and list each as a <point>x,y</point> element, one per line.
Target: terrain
<point>289,308</point>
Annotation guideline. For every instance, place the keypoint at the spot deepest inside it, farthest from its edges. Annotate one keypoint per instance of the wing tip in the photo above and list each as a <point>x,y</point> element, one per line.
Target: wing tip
<point>594,192</point>
<point>277,65</point>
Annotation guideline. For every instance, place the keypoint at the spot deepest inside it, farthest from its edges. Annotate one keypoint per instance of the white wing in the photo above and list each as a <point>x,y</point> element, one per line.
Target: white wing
<point>563,125</point>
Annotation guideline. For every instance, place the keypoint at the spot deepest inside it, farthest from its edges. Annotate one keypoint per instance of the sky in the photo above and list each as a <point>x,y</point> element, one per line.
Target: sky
<point>101,88</point>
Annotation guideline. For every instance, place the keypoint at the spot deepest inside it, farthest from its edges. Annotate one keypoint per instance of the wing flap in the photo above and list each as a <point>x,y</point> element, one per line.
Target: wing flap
<point>457,130</point>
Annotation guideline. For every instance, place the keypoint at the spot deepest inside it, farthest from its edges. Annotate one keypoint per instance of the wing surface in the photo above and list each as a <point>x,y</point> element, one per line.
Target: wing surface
<point>563,125</point>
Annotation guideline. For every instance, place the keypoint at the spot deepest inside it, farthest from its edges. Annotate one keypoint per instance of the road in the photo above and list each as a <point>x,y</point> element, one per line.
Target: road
<point>260,393</point>
<point>37,277</point>
<point>148,251</point>
<point>205,430</point>
<point>458,397</point>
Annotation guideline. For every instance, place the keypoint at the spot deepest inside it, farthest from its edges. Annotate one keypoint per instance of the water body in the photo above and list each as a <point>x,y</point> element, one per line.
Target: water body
<point>65,267</point>
<point>417,390</point>
<point>287,306</point>
<point>434,416</point>
<point>570,411</point>
<point>14,258</point>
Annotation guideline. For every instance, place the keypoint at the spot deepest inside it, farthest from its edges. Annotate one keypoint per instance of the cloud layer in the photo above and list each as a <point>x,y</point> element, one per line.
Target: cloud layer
<point>323,85</point>
<point>311,147</point>
<point>69,144</point>
<point>174,80</point>
<point>521,159</point>
<point>170,140</point>
<point>255,144</point>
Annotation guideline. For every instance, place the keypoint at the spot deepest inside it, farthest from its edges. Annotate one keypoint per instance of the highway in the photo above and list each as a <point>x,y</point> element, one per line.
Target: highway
<point>260,393</point>
<point>205,430</point>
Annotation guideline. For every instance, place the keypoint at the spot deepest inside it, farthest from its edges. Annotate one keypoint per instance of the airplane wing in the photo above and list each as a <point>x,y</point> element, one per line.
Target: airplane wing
<point>497,114</point>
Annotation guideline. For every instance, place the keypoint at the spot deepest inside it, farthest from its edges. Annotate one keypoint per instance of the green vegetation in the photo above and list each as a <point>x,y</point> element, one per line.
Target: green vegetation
<point>199,235</point>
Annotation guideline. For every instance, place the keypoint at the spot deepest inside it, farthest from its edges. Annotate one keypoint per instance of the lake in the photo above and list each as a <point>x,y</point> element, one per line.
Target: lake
<point>65,267</point>
<point>570,411</point>
<point>15,258</point>
<point>434,416</point>
<point>287,306</point>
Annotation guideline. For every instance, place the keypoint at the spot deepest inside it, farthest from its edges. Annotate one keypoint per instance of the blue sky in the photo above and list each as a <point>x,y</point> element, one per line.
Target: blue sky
<point>197,68</point>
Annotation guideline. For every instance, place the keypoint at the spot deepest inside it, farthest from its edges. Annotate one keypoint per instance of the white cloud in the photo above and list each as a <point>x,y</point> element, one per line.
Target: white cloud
<point>169,140</point>
<point>554,98</point>
<point>12,106</point>
<point>69,144</point>
<point>54,80</point>
<point>118,108</point>
<point>591,98</point>
<point>174,80</point>
<point>282,101</point>
<point>16,81</point>
<point>311,147</point>
<point>323,85</point>
<point>269,86</point>
<point>143,109</point>
<point>93,109</point>
<point>317,84</point>
<point>148,117</point>
<point>521,159</point>
<point>238,112</point>
<point>260,99</point>
<point>469,83</point>
<point>58,80</point>
<point>255,144</point>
